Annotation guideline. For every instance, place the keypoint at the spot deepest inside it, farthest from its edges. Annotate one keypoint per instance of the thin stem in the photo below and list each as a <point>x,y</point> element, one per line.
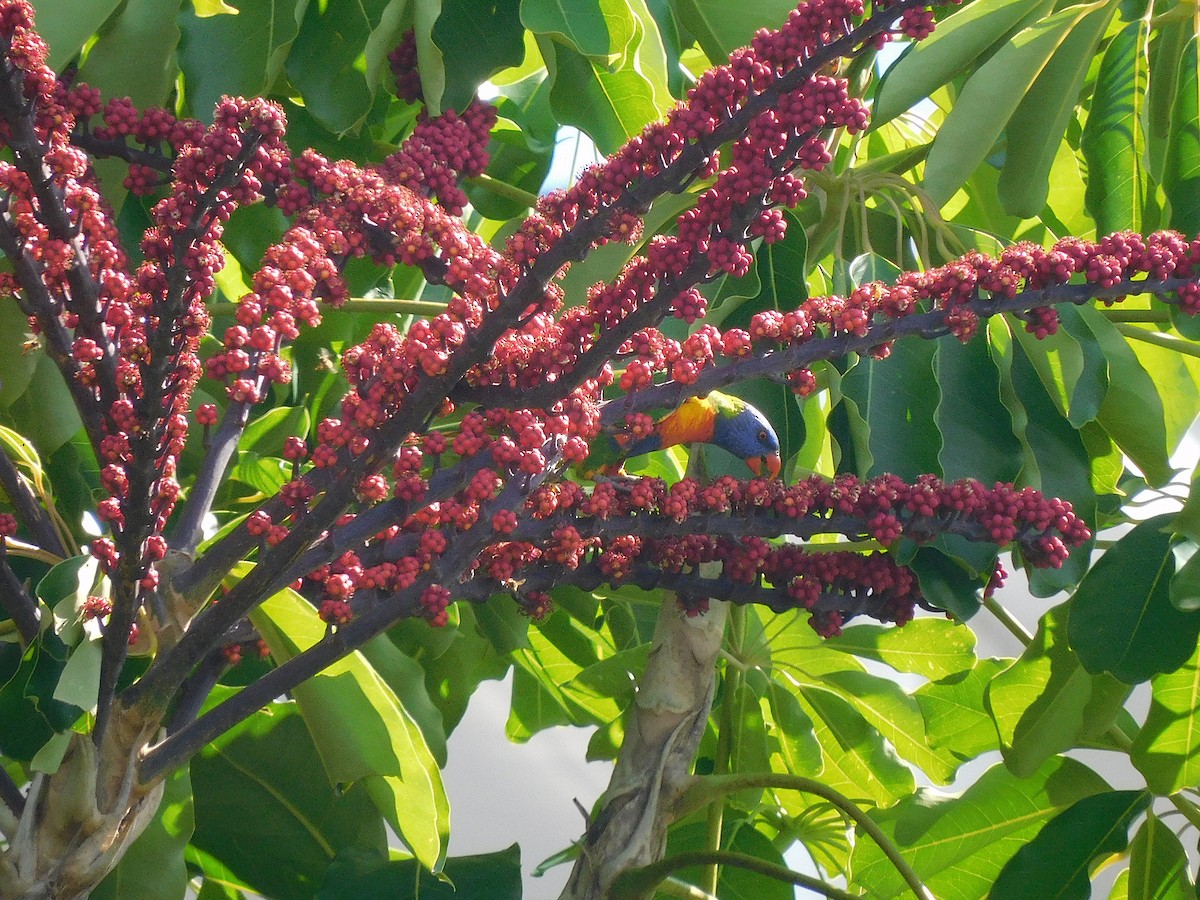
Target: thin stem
<point>16,601</point>
<point>28,508</point>
<point>503,189</point>
<point>640,883</point>
<point>382,306</point>
<point>1156,316</point>
<point>10,793</point>
<point>702,789</point>
<point>1008,620</point>
<point>1158,339</point>
<point>728,727</point>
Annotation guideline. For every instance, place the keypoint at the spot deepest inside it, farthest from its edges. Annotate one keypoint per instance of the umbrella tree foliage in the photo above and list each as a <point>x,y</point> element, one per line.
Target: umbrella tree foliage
<point>293,386</point>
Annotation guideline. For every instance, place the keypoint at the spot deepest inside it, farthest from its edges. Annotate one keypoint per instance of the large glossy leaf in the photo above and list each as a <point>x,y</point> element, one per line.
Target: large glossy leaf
<point>1158,864</point>
<point>958,845</point>
<point>135,56</point>
<point>238,55</point>
<point>340,54</point>
<point>1181,171</point>
<point>934,648</point>
<point>955,717</point>
<point>153,867</point>
<point>796,742</point>
<point>265,809</point>
<point>1040,702</point>
<point>1057,860</point>
<point>1114,143</point>
<point>477,40</point>
<point>721,27</point>
<point>16,364</point>
<point>1132,410</point>
<point>896,716</point>
<point>959,40</point>
<point>895,400</point>
<point>582,25</point>
<point>45,410</point>
<point>363,876</point>
<point>67,26</point>
<point>362,730</point>
<point>1037,126</point>
<point>1167,748</point>
<point>976,429</point>
<point>613,103</point>
<point>1121,617</point>
<point>990,98</point>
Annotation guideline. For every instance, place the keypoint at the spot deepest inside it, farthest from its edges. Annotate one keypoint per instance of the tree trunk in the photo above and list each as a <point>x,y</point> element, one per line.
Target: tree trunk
<point>667,722</point>
<point>78,822</point>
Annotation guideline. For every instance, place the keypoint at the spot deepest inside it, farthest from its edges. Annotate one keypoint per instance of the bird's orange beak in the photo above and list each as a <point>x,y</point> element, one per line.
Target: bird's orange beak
<point>772,463</point>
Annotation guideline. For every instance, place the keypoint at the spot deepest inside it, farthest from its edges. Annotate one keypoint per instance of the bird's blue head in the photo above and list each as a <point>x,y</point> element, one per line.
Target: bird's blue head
<point>749,436</point>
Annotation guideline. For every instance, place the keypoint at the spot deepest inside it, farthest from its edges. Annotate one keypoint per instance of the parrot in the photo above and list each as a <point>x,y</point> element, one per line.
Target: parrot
<point>721,419</point>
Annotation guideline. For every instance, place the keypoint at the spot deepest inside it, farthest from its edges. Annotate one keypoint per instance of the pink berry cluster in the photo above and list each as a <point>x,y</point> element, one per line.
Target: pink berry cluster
<point>627,532</point>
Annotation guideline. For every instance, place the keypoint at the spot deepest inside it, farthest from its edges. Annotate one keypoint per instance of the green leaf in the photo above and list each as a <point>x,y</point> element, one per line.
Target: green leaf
<point>1036,129</point>
<point>1113,143</point>
<point>265,474</point>
<point>721,27</point>
<point>796,742</point>
<point>153,868</point>
<point>1132,411</point>
<point>406,678</point>
<point>45,410</point>
<point>958,845</point>
<point>1158,864</point>
<point>239,55</point>
<point>896,403</point>
<point>934,648</point>
<point>329,66</point>
<point>1038,702</point>
<point>16,363</point>
<point>477,40</point>
<point>1181,171</point>
<point>955,718</point>
<point>361,876</point>
<point>959,40</point>
<point>613,103</point>
<point>1057,860</point>
<point>896,716</point>
<point>266,434</point>
<point>989,99</point>
<point>265,809</point>
<point>362,730</point>
<point>67,26</point>
<point>582,25</point>
<point>1167,748</point>
<point>735,883</point>
<point>976,429</point>
<point>1121,617</point>
<point>135,56</point>
<point>946,583</point>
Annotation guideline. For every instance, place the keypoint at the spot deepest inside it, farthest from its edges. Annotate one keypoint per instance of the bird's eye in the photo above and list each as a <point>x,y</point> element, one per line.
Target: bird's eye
<point>762,435</point>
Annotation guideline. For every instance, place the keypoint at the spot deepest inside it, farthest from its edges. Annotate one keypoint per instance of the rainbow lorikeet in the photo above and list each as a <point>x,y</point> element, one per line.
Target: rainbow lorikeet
<point>727,421</point>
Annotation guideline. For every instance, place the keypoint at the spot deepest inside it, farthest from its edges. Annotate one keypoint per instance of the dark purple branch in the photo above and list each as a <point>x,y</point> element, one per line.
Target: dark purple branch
<point>17,602</point>
<point>931,324</point>
<point>118,148</point>
<point>195,690</point>
<point>220,450</point>
<point>29,510</point>
<point>10,794</point>
<point>461,549</point>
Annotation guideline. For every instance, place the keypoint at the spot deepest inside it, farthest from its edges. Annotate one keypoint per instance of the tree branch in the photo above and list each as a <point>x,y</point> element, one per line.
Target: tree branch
<point>640,883</point>
<point>17,602</point>
<point>29,510</point>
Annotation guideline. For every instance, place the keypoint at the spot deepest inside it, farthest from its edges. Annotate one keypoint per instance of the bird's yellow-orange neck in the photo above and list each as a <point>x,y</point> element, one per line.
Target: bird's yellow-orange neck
<point>691,423</point>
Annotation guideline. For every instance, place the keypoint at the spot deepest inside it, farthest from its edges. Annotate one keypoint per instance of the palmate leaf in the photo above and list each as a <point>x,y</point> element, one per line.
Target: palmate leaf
<point>1121,619</point>
<point>956,719</point>
<point>959,40</point>
<point>266,812</point>
<point>362,730</point>
<point>958,845</point>
<point>1114,141</point>
<point>1041,703</point>
<point>1167,748</point>
<point>989,99</point>
<point>612,103</point>
<point>1158,864</point>
<point>241,55</point>
<point>934,648</point>
<point>1057,860</point>
<point>476,40</point>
